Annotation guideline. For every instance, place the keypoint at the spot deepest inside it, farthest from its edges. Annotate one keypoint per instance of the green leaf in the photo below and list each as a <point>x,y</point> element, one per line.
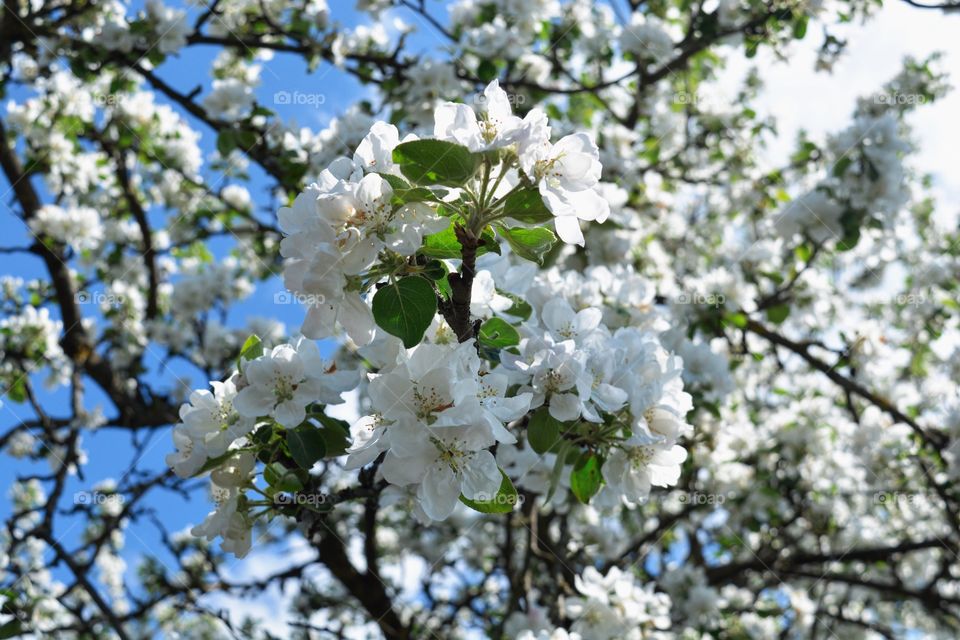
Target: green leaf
<point>841,166</point>
<point>306,445</point>
<point>435,270</point>
<point>486,71</point>
<point>281,478</point>
<point>585,477</point>
<point>335,434</point>
<point>504,502</point>
<point>520,308</point>
<point>526,205</point>
<point>778,313</point>
<point>17,391</point>
<point>251,350</point>
<point>530,244</point>
<point>737,319</point>
<point>543,431</point>
<point>444,245</point>
<point>246,139</point>
<point>498,334</point>
<point>800,26</point>
<point>11,629</point>
<point>436,162</point>
<point>403,192</point>
<point>405,309</point>
<point>226,142</point>
<point>396,183</point>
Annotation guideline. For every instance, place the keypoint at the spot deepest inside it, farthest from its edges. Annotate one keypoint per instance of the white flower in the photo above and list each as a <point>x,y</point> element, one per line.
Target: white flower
<point>282,383</point>
<point>378,224</point>
<point>640,463</point>
<point>497,409</point>
<point>237,197</point>
<point>616,607</point>
<point>485,302</point>
<point>80,227</point>
<point>375,151</point>
<point>170,25</point>
<point>349,312</point>
<point>646,39</point>
<point>544,634</point>
<point>229,519</point>
<point>421,389</point>
<point>568,173</point>
<point>188,458</point>
<point>557,375</point>
<point>209,426</point>
<point>496,128</point>
<point>458,122</point>
<point>21,444</point>
<point>315,267</point>
<point>814,213</point>
<point>337,229</point>
<point>231,99</point>
<point>444,461</point>
<point>368,442</point>
<point>565,324</point>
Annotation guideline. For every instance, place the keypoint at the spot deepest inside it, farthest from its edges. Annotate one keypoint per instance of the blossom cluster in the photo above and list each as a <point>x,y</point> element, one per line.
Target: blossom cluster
<point>214,434</point>
<point>376,257</point>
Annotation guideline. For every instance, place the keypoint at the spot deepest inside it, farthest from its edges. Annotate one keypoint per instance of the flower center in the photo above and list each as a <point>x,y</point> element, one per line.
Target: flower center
<point>429,401</point>
<point>640,457</point>
<point>451,453</point>
<point>284,388</point>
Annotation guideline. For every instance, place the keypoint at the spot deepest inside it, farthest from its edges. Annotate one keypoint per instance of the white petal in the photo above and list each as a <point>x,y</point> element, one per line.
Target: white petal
<point>565,406</point>
<point>439,492</point>
<point>568,228</point>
